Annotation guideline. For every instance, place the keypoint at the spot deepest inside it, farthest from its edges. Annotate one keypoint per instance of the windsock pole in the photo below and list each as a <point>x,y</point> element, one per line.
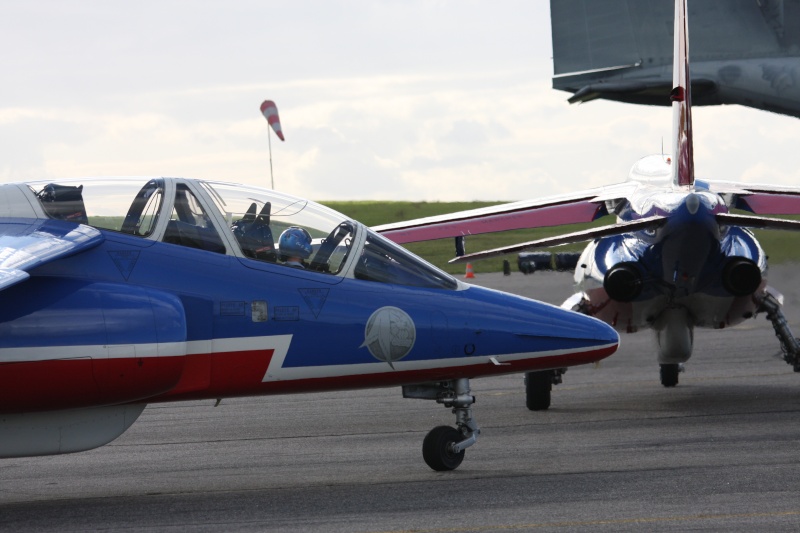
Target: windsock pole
<point>271,176</point>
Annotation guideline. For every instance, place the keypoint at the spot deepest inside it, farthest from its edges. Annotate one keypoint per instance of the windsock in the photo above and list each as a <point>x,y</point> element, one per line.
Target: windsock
<point>270,112</point>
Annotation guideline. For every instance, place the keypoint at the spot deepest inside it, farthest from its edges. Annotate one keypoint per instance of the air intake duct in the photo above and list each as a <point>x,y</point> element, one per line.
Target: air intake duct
<point>741,276</point>
<point>623,282</point>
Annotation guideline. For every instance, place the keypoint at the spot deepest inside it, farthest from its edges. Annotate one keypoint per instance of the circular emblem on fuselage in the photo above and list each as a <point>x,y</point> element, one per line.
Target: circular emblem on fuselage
<point>390,334</point>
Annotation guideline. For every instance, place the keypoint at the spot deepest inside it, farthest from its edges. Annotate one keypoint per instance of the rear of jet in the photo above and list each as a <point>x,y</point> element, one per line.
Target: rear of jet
<point>131,291</point>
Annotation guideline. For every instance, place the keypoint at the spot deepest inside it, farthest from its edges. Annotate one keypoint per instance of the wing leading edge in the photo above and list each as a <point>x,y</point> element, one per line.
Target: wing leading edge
<point>26,244</point>
<point>578,236</point>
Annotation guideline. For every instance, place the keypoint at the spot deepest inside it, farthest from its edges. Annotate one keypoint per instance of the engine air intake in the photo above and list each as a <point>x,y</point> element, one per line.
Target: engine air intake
<point>623,282</point>
<point>741,276</point>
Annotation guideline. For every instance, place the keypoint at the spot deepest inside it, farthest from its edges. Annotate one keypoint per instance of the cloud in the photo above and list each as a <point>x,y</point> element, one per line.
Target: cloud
<point>419,100</point>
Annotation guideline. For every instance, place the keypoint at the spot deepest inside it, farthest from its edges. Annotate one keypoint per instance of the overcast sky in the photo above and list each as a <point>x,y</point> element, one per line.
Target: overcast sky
<point>398,100</point>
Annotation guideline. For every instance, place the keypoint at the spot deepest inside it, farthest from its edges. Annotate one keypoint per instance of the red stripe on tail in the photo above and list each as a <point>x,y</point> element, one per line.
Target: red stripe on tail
<point>681,96</point>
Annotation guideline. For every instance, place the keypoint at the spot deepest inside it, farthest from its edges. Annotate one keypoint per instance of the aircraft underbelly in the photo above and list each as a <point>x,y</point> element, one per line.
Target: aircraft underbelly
<point>704,310</point>
<point>64,431</point>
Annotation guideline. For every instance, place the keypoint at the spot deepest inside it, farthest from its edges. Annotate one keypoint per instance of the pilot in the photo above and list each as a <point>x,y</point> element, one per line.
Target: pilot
<point>294,245</point>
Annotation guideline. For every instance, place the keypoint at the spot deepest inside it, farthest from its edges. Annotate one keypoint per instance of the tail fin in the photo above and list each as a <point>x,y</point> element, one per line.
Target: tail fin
<point>681,96</point>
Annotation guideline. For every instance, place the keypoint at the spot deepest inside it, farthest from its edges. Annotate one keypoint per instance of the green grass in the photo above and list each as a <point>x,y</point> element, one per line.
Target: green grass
<point>780,246</point>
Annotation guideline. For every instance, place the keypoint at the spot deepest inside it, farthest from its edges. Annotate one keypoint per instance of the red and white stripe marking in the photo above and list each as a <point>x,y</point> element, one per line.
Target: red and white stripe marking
<point>270,112</point>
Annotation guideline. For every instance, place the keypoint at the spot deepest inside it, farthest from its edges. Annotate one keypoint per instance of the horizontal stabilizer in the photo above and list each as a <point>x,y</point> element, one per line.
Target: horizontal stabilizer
<point>655,91</point>
<point>26,244</point>
<point>578,236</point>
<point>750,221</point>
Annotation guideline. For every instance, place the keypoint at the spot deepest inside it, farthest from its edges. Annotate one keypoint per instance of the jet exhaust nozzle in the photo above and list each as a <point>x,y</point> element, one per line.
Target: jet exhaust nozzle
<point>741,276</point>
<point>623,282</point>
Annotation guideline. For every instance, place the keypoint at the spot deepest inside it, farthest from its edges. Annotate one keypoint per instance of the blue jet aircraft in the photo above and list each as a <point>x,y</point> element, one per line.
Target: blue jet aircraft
<point>128,291</point>
<point>675,260</point>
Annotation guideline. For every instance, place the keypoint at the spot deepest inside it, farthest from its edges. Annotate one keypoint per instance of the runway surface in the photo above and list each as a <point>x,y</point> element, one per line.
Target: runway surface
<point>616,451</point>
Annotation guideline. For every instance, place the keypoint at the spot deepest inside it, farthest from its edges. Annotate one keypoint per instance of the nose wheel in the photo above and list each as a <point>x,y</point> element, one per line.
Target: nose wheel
<point>443,446</point>
<point>438,448</point>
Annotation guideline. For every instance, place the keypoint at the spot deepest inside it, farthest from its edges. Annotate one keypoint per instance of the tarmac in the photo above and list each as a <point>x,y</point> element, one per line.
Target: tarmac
<point>615,452</point>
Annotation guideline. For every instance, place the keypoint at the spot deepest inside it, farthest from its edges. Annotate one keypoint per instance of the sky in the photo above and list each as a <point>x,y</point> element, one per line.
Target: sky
<point>422,100</point>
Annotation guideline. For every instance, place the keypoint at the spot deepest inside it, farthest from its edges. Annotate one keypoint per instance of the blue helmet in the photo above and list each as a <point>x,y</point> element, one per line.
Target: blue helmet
<point>295,241</point>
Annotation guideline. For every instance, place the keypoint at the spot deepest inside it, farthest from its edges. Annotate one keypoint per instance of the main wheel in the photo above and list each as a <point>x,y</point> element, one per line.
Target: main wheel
<point>538,386</point>
<point>436,448</point>
<point>669,374</point>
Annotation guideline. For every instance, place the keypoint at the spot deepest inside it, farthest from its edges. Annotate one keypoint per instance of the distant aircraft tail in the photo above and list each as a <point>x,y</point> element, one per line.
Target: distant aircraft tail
<point>681,96</point>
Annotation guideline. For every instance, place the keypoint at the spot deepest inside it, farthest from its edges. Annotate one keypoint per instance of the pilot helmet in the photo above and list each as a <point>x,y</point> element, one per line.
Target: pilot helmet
<point>295,241</point>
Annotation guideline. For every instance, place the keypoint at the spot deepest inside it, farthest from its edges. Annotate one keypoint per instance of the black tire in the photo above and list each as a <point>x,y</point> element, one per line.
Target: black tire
<point>435,448</point>
<point>538,386</point>
<point>669,374</point>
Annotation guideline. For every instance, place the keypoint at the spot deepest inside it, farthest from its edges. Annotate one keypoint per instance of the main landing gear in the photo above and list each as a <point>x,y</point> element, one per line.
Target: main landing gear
<point>789,344</point>
<point>538,386</point>
<point>443,447</point>
<point>669,373</point>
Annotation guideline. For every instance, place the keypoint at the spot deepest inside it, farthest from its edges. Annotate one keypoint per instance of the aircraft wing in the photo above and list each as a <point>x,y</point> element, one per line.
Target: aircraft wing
<point>584,206</point>
<point>637,89</point>
<point>26,244</point>
<point>760,199</point>
<point>620,50</point>
<point>578,236</point>
<point>748,221</point>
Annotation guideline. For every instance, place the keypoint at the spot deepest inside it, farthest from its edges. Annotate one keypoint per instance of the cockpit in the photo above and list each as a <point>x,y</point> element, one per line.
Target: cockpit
<point>256,225</point>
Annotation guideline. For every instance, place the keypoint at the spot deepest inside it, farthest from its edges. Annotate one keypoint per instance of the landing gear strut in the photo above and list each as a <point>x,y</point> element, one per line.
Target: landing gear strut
<point>443,447</point>
<point>789,344</point>
<point>538,386</point>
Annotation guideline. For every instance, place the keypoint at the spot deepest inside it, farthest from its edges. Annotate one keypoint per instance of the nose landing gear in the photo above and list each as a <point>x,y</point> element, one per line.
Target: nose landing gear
<point>443,447</point>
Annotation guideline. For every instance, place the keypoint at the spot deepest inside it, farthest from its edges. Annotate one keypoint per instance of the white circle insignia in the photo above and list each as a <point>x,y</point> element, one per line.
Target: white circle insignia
<point>390,334</point>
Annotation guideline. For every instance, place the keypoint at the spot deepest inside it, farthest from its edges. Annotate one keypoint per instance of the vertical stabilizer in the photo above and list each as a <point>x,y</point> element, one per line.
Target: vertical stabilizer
<point>683,151</point>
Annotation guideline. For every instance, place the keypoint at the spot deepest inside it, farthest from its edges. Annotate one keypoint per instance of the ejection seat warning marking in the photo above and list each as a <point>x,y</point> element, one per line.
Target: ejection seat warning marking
<point>287,313</point>
<point>259,310</point>
<point>125,261</point>
<point>231,308</point>
<point>315,299</point>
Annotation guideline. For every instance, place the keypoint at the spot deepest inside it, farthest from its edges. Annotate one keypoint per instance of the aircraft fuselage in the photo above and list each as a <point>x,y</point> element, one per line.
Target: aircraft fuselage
<point>690,263</point>
<point>125,292</point>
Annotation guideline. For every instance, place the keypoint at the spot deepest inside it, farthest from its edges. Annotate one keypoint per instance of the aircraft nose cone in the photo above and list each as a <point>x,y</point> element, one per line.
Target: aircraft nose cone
<point>527,328</point>
<point>571,325</point>
<point>575,338</point>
